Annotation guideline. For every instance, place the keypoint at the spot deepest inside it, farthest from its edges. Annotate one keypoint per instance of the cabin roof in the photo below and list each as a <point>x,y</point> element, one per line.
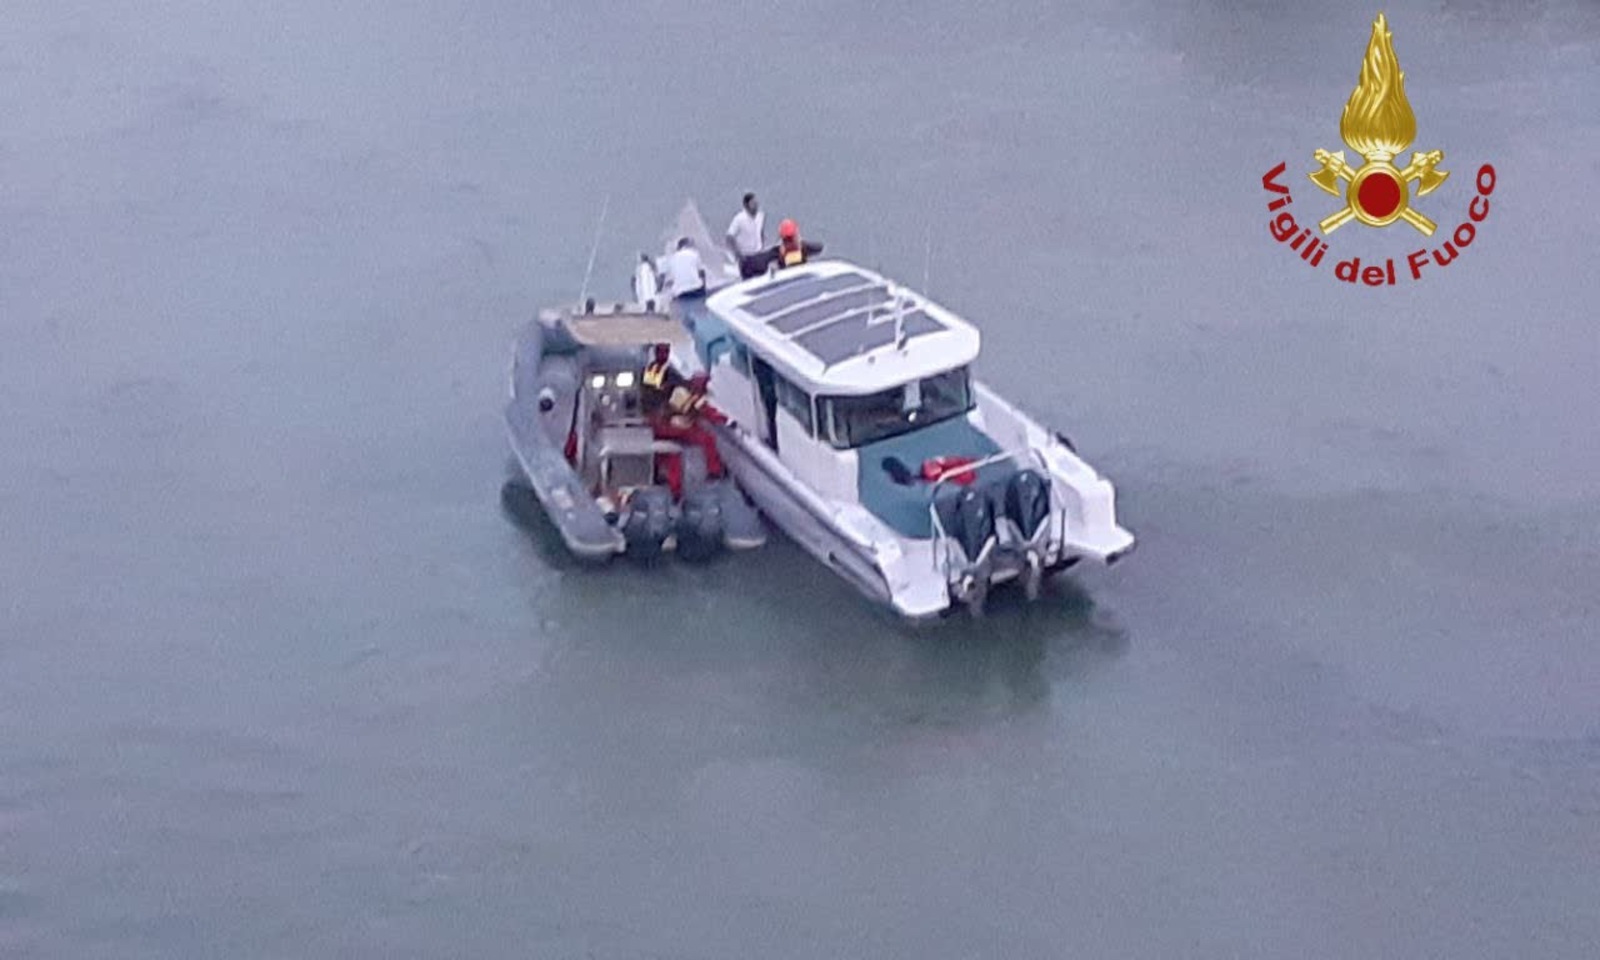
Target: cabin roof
<point>831,325</point>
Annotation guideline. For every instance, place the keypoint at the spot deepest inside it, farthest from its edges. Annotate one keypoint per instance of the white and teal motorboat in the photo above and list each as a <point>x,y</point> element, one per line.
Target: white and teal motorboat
<point>859,430</point>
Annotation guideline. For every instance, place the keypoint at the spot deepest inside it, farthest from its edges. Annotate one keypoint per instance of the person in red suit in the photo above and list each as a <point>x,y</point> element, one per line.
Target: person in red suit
<point>680,419</point>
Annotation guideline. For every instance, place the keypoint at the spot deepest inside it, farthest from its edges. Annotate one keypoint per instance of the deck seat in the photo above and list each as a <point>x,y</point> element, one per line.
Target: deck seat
<point>632,443</point>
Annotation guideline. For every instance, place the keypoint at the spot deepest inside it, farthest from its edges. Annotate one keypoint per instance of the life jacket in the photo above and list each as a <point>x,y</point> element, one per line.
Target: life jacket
<point>682,406</point>
<point>655,375</point>
<point>791,256</point>
<point>949,468</point>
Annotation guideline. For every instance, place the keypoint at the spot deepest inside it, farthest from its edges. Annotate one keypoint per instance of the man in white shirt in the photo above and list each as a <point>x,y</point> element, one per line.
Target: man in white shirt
<point>746,232</point>
<point>684,270</point>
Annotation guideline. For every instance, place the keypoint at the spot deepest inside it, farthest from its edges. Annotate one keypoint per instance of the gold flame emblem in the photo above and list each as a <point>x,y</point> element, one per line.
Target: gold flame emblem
<point>1378,124</point>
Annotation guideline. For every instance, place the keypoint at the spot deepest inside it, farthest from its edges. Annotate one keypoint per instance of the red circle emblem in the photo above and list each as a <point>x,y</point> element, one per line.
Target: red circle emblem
<point>1379,195</point>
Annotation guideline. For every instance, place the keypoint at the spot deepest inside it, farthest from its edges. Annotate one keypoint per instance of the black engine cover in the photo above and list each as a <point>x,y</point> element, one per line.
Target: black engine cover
<point>700,525</point>
<point>974,520</point>
<point>1028,501</point>
<point>648,522</point>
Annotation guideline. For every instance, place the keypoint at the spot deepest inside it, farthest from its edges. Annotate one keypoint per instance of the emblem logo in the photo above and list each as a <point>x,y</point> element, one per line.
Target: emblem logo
<point>1378,123</point>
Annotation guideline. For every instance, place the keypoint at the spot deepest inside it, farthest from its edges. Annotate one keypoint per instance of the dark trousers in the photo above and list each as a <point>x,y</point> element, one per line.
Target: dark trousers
<point>756,264</point>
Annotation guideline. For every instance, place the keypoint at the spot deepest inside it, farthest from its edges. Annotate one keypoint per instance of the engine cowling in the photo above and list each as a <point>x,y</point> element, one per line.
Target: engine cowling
<point>700,524</point>
<point>648,521</point>
<point>1027,501</point>
<point>974,520</point>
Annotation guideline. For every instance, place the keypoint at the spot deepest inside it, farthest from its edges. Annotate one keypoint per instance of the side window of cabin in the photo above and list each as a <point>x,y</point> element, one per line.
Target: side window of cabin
<point>797,402</point>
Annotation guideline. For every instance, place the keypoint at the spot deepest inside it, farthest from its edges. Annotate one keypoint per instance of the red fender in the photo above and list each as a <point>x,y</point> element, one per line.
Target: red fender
<point>948,467</point>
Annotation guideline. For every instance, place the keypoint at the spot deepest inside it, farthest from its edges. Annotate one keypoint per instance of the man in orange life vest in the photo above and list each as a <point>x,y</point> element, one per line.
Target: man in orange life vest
<point>791,251</point>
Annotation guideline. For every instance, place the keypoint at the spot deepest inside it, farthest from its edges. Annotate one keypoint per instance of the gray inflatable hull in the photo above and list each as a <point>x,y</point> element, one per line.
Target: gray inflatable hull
<point>548,362</point>
<point>574,513</point>
<point>532,434</point>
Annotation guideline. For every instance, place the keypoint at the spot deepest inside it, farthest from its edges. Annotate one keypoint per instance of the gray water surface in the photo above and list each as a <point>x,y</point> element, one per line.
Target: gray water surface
<point>281,677</point>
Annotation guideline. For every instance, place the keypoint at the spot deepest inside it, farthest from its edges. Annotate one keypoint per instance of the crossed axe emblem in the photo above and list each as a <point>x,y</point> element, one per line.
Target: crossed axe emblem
<point>1391,195</point>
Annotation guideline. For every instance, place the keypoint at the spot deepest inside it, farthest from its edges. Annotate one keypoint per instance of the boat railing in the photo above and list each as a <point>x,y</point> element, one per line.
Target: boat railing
<point>942,558</point>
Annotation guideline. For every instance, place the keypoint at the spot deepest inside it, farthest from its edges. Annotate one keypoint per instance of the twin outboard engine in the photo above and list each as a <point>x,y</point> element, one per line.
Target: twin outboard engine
<point>1000,526</point>
<point>972,515</point>
<point>648,521</point>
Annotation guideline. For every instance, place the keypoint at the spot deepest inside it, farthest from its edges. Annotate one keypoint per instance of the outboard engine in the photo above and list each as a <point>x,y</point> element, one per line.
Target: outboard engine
<point>647,521</point>
<point>1027,505</point>
<point>700,524</point>
<point>1028,502</point>
<point>974,521</point>
<point>968,516</point>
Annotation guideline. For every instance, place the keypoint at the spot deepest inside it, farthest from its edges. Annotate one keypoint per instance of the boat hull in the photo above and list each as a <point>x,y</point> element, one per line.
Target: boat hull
<point>547,372</point>
<point>786,506</point>
<point>530,432</point>
<point>906,579</point>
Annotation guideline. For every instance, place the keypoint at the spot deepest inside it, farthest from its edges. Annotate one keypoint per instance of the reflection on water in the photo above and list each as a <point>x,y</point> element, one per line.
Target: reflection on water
<point>849,653</point>
<point>522,507</point>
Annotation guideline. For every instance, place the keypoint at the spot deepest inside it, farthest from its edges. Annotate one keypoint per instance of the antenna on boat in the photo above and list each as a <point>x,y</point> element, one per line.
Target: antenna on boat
<point>927,258</point>
<point>594,248</point>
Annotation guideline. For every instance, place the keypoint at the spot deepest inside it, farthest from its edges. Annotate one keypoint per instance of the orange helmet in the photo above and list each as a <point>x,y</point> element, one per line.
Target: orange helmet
<point>788,230</point>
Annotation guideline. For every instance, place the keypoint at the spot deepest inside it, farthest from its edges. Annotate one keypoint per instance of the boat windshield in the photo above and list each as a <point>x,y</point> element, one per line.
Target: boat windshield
<point>848,422</point>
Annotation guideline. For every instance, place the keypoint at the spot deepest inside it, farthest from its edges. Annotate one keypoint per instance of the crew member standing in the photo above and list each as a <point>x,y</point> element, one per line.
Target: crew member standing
<point>789,251</point>
<point>685,271</point>
<point>746,234</point>
<point>646,280</point>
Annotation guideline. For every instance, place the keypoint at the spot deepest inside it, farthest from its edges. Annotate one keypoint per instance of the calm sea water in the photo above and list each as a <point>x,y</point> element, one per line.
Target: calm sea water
<point>280,676</point>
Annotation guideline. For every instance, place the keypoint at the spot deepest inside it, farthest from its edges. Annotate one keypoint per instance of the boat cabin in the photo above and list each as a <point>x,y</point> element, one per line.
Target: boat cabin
<point>854,381</point>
